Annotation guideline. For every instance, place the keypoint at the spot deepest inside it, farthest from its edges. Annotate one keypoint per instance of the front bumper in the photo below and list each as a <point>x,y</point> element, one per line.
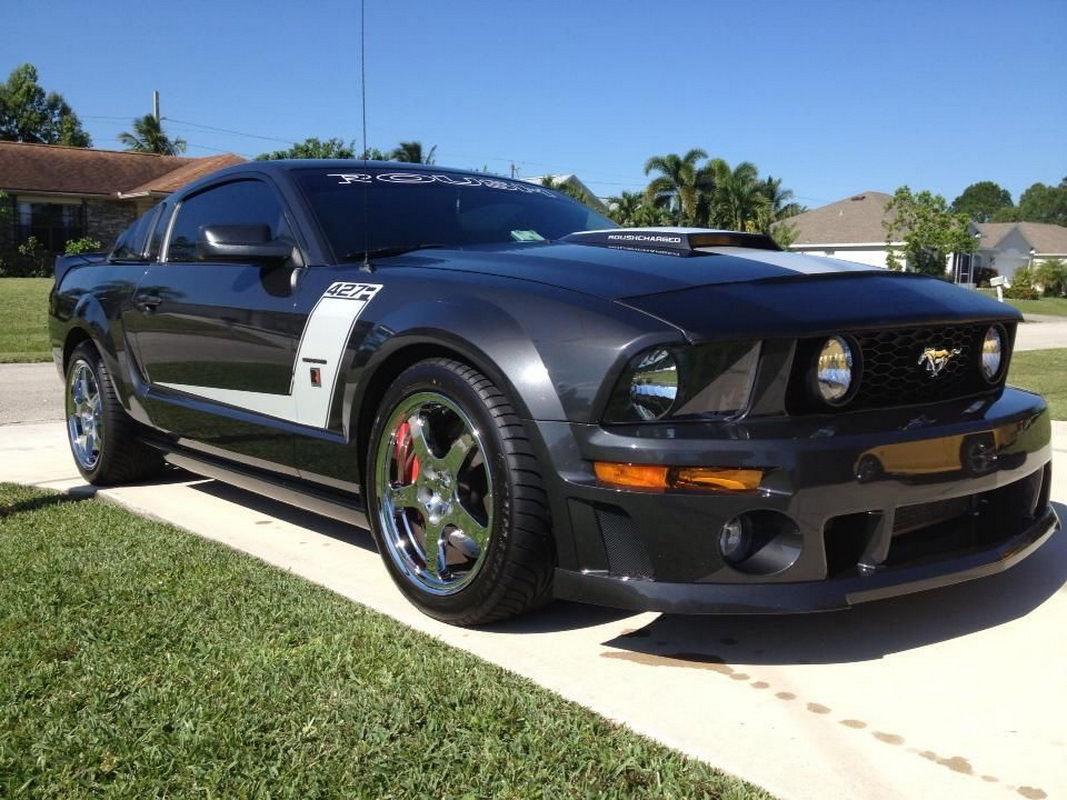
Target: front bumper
<point>867,505</point>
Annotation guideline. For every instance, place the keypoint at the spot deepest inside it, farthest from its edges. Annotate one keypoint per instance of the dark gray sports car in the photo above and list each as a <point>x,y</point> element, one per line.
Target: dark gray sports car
<point>523,401</point>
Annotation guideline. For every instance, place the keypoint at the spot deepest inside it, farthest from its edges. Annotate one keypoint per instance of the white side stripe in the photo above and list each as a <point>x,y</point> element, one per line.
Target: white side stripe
<point>322,346</point>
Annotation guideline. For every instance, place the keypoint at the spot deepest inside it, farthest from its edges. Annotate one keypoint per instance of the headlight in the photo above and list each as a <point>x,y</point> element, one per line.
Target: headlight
<point>701,380</point>
<point>993,353</point>
<point>834,375</point>
<point>654,384</point>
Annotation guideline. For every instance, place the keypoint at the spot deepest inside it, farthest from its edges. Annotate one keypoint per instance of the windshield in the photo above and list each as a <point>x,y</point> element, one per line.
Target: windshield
<point>405,210</point>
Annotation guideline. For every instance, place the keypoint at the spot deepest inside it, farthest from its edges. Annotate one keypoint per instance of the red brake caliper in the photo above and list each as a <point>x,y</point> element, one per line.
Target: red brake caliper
<point>406,460</point>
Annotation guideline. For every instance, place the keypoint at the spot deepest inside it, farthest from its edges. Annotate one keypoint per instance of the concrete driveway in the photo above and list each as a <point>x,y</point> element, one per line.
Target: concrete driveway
<point>953,693</point>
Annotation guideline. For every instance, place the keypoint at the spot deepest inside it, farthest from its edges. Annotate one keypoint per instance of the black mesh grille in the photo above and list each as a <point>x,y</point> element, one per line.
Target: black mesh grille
<point>626,553</point>
<point>894,371</point>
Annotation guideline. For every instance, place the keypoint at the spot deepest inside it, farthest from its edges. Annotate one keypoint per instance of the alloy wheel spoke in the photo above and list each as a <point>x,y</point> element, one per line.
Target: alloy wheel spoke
<point>458,452</point>
<point>403,496</point>
<point>433,548</point>
<point>419,443</point>
<point>469,526</point>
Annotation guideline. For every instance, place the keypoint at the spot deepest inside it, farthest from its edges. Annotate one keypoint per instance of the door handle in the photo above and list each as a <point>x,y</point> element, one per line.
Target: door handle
<point>147,301</point>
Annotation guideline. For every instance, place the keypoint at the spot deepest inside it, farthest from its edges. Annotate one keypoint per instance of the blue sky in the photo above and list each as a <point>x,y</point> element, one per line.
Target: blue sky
<point>833,97</point>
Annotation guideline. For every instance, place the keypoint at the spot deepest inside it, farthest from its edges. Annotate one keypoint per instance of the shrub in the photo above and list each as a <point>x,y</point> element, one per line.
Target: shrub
<point>1052,276</point>
<point>86,244</point>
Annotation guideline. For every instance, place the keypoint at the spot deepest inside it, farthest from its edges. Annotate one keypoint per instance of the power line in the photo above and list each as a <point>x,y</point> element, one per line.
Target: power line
<point>232,132</point>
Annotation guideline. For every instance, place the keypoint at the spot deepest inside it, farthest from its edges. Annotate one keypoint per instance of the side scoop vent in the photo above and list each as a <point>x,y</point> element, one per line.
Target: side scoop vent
<point>671,241</point>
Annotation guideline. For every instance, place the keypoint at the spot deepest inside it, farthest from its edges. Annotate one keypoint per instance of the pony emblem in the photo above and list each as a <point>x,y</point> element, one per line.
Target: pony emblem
<point>936,360</point>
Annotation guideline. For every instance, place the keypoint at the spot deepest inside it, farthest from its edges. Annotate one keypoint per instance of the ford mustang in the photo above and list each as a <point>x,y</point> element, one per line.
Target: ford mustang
<point>523,401</point>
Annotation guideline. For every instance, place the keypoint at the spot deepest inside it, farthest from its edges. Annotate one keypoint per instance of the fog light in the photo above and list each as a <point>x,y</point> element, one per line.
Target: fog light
<point>833,371</point>
<point>735,541</point>
<point>993,346</point>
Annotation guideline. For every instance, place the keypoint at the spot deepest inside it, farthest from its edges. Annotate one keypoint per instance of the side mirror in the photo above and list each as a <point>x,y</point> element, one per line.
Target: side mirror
<point>250,243</point>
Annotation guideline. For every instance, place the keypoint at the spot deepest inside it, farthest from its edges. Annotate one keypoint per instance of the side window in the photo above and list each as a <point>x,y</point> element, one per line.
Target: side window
<point>131,244</point>
<point>247,202</point>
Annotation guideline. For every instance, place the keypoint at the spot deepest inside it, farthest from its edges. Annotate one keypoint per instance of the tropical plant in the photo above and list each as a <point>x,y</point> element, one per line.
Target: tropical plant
<point>678,184</point>
<point>624,208</point>
<point>1052,275</point>
<point>313,147</point>
<point>149,137</point>
<point>411,152</point>
<point>29,114</point>
<point>564,186</point>
<point>738,201</point>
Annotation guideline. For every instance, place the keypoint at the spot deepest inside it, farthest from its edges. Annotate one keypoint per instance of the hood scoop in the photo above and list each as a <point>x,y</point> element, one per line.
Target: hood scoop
<point>680,242</point>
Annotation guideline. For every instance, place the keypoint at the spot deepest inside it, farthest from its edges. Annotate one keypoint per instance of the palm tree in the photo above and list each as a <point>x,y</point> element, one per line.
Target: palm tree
<point>737,200</point>
<point>625,207</point>
<point>148,137</point>
<point>678,183</point>
<point>780,200</point>
<point>563,186</point>
<point>411,152</point>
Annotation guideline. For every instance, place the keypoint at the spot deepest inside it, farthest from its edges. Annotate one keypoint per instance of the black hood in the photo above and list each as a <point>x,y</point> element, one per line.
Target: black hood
<point>612,274</point>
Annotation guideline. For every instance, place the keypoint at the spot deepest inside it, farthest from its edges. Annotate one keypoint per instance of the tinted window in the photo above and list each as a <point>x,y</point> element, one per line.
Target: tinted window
<point>131,243</point>
<point>384,208</point>
<point>247,202</point>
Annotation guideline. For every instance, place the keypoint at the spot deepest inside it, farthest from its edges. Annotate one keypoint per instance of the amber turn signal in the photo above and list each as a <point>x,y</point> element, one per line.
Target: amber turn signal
<point>649,476</point>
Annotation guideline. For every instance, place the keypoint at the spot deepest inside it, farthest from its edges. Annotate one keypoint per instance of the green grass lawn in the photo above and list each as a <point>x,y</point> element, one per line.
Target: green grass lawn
<point>1055,306</point>
<point>1045,372</point>
<point>24,319</point>
<point>142,661</point>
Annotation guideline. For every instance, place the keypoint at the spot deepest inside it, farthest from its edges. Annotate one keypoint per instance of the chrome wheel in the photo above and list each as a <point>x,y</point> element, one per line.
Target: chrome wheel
<point>85,415</point>
<point>435,491</point>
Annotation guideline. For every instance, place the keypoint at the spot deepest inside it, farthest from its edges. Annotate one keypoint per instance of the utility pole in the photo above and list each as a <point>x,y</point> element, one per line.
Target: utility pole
<point>155,105</point>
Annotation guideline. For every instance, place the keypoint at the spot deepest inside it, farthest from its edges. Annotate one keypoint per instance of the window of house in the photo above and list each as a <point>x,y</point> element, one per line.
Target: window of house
<point>52,224</point>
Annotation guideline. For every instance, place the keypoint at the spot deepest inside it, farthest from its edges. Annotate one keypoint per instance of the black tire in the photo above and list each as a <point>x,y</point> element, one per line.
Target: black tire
<point>449,463</point>
<point>103,438</point>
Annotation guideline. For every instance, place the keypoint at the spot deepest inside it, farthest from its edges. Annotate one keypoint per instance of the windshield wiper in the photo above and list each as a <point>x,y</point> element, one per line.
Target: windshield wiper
<point>387,252</point>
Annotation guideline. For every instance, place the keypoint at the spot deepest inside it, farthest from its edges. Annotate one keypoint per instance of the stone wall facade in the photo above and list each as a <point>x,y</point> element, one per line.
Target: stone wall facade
<point>106,219</point>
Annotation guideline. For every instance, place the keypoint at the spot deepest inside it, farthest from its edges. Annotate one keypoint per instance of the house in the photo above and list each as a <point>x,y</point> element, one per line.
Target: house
<point>57,194</point>
<point>1007,246</point>
<point>572,185</point>
<point>850,229</point>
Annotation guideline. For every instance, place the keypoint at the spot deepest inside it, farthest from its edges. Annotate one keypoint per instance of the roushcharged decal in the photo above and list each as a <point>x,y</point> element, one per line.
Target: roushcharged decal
<point>326,334</point>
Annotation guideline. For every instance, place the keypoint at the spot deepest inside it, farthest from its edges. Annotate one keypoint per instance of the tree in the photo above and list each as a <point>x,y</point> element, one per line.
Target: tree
<point>411,152</point>
<point>149,137</point>
<point>624,208</point>
<point>738,201</point>
<point>930,232</point>
<point>315,148</point>
<point>28,114</point>
<point>981,201</point>
<point>678,185</point>
<point>565,187</point>
<point>1042,203</point>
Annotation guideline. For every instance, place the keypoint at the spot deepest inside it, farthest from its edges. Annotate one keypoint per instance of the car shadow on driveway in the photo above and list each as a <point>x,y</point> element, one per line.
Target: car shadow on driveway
<point>339,530</point>
<point>865,632</point>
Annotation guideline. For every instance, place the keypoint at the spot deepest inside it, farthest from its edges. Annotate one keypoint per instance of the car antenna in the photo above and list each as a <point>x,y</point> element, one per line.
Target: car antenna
<point>366,266</point>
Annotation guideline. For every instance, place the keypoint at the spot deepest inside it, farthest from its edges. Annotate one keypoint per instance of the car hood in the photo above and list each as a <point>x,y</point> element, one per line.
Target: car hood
<point>735,291</point>
<point>612,274</point>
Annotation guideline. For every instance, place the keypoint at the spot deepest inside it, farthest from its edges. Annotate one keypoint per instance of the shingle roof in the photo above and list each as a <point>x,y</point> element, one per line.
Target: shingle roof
<point>1044,238</point>
<point>79,170</point>
<point>852,220</point>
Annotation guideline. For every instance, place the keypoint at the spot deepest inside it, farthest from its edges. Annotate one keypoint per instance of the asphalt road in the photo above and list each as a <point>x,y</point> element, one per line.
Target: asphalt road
<point>957,692</point>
